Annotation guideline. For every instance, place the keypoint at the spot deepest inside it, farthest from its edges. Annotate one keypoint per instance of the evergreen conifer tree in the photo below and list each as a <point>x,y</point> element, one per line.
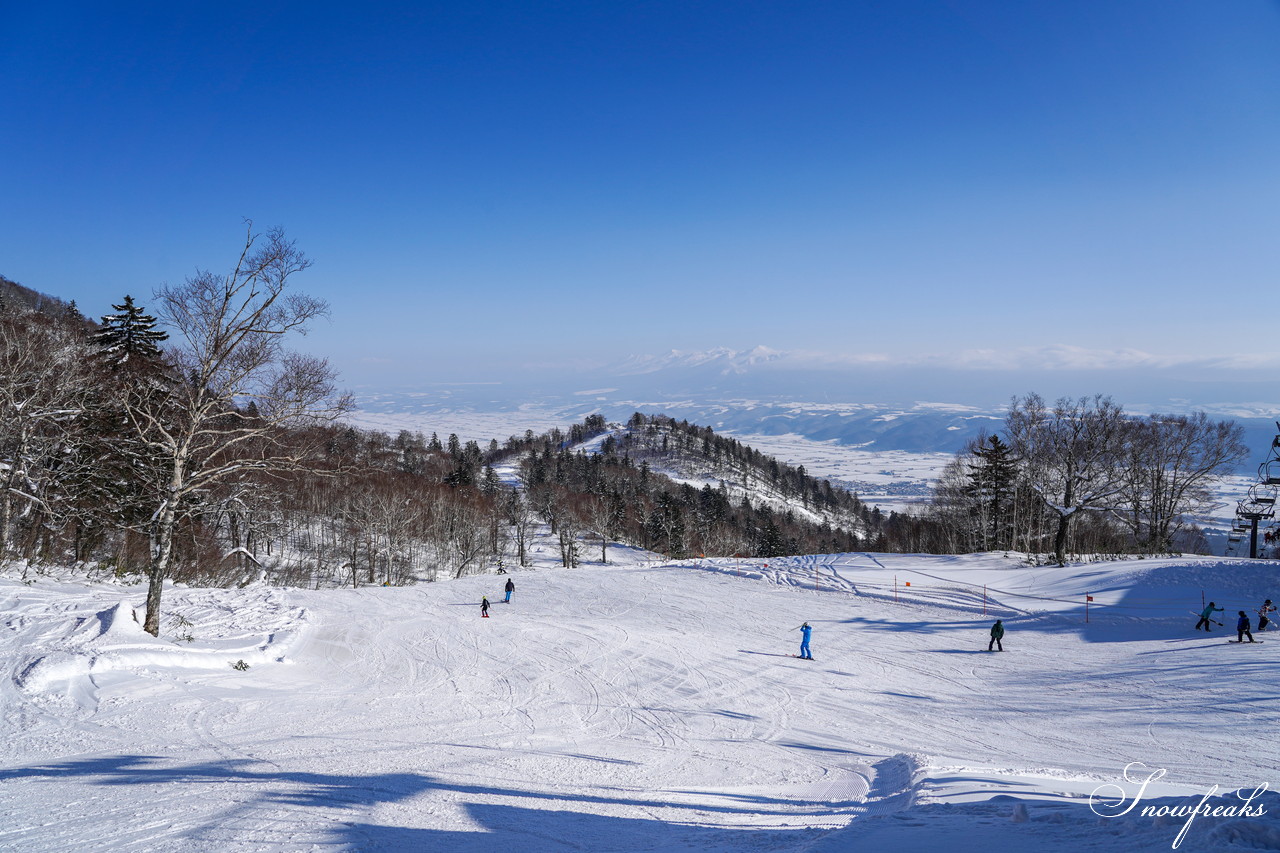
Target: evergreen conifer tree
<point>993,482</point>
<point>129,334</point>
<point>121,473</point>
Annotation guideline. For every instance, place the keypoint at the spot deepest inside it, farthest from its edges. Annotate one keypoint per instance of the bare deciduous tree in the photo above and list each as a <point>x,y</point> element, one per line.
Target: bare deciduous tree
<point>601,517</point>
<point>236,387</point>
<point>1170,464</point>
<point>1071,455</point>
<point>520,517</point>
<point>43,389</point>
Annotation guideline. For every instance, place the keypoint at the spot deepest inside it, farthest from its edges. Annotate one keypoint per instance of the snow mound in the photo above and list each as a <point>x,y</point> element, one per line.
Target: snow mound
<point>1250,834</point>
<point>220,629</point>
<point>43,672</point>
<point>118,624</point>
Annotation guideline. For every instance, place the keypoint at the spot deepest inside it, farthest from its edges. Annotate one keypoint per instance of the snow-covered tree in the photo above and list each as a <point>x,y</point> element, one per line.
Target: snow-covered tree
<point>129,335</point>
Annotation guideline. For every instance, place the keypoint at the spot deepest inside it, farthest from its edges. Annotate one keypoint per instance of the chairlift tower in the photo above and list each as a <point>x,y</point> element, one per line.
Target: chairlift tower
<point>1260,503</point>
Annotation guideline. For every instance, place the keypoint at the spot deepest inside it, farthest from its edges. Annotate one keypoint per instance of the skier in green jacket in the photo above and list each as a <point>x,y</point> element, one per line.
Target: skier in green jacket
<point>997,634</point>
<point>1206,616</point>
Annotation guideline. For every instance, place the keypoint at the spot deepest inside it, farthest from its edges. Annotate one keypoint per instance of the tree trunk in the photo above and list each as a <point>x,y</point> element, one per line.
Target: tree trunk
<point>161,552</point>
<point>6,500</point>
<point>1060,540</point>
<point>6,514</point>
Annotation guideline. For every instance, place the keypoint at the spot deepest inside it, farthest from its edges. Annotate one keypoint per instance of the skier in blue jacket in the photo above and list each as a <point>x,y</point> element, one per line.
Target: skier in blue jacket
<point>805,631</point>
<point>1242,628</point>
<point>1206,616</point>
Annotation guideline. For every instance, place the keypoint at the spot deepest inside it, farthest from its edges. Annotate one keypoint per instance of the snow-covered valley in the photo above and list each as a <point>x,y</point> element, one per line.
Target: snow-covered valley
<point>644,706</point>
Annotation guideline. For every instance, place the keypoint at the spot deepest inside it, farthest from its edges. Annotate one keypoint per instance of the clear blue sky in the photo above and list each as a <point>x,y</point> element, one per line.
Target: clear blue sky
<point>483,182</point>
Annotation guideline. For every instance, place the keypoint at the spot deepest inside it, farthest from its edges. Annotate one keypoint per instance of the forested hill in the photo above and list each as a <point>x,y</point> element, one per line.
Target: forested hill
<point>696,456</point>
<point>23,298</point>
<point>680,489</point>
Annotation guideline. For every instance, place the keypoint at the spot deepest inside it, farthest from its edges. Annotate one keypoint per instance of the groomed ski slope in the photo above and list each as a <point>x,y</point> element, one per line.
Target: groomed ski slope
<point>641,707</point>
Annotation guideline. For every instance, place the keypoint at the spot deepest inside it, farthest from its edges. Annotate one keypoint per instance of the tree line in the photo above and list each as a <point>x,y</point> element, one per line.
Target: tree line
<point>1080,476</point>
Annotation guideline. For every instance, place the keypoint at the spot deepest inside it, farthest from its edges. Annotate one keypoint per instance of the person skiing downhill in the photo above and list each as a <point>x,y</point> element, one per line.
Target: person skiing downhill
<point>510,588</point>
<point>1206,616</point>
<point>484,606</point>
<point>805,632</point>
<point>997,634</point>
<point>1263,620</point>
<point>1242,629</point>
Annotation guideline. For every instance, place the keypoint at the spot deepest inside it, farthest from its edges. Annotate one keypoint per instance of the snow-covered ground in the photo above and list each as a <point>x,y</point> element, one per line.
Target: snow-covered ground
<point>639,706</point>
<point>893,480</point>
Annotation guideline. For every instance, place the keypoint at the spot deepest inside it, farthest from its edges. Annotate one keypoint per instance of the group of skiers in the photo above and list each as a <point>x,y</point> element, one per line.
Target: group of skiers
<point>1243,625</point>
<point>997,634</point>
<point>484,599</point>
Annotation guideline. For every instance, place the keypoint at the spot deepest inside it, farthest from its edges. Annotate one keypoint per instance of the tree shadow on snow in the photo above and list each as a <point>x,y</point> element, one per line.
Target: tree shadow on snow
<point>502,827</point>
<point>911,627</point>
<point>765,654</point>
<point>1104,626</point>
<point>311,799</point>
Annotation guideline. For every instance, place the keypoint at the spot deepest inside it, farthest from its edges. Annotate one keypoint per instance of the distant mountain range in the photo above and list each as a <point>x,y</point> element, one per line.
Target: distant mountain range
<point>764,391</point>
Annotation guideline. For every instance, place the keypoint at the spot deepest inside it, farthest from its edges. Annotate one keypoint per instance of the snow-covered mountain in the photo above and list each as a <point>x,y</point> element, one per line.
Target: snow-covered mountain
<point>720,359</point>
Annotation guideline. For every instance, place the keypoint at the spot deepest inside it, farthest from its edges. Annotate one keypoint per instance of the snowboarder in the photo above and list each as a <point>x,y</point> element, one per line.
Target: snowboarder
<point>510,588</point>
<point>1263,620</point>
<point>805,632</point>
<point>484,606</point>
<point>1206,616</point>
<point>997,634</point>
<point>1242,628</point>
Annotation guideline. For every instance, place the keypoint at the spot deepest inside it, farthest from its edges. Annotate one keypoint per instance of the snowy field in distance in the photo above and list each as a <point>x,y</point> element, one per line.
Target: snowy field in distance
<point>478,426</point>
<point>640,707</point>
<point>898,479</point>
<point>890,479</point>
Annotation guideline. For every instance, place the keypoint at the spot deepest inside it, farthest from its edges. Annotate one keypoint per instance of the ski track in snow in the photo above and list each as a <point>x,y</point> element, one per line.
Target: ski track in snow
<point>632,707</point>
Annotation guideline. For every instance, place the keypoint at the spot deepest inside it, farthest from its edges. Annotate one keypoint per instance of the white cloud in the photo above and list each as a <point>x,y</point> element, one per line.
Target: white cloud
<point>1046,358</point>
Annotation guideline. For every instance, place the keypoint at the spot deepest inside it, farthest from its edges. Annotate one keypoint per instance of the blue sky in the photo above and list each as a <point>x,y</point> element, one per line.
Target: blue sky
<point>492,184</point>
